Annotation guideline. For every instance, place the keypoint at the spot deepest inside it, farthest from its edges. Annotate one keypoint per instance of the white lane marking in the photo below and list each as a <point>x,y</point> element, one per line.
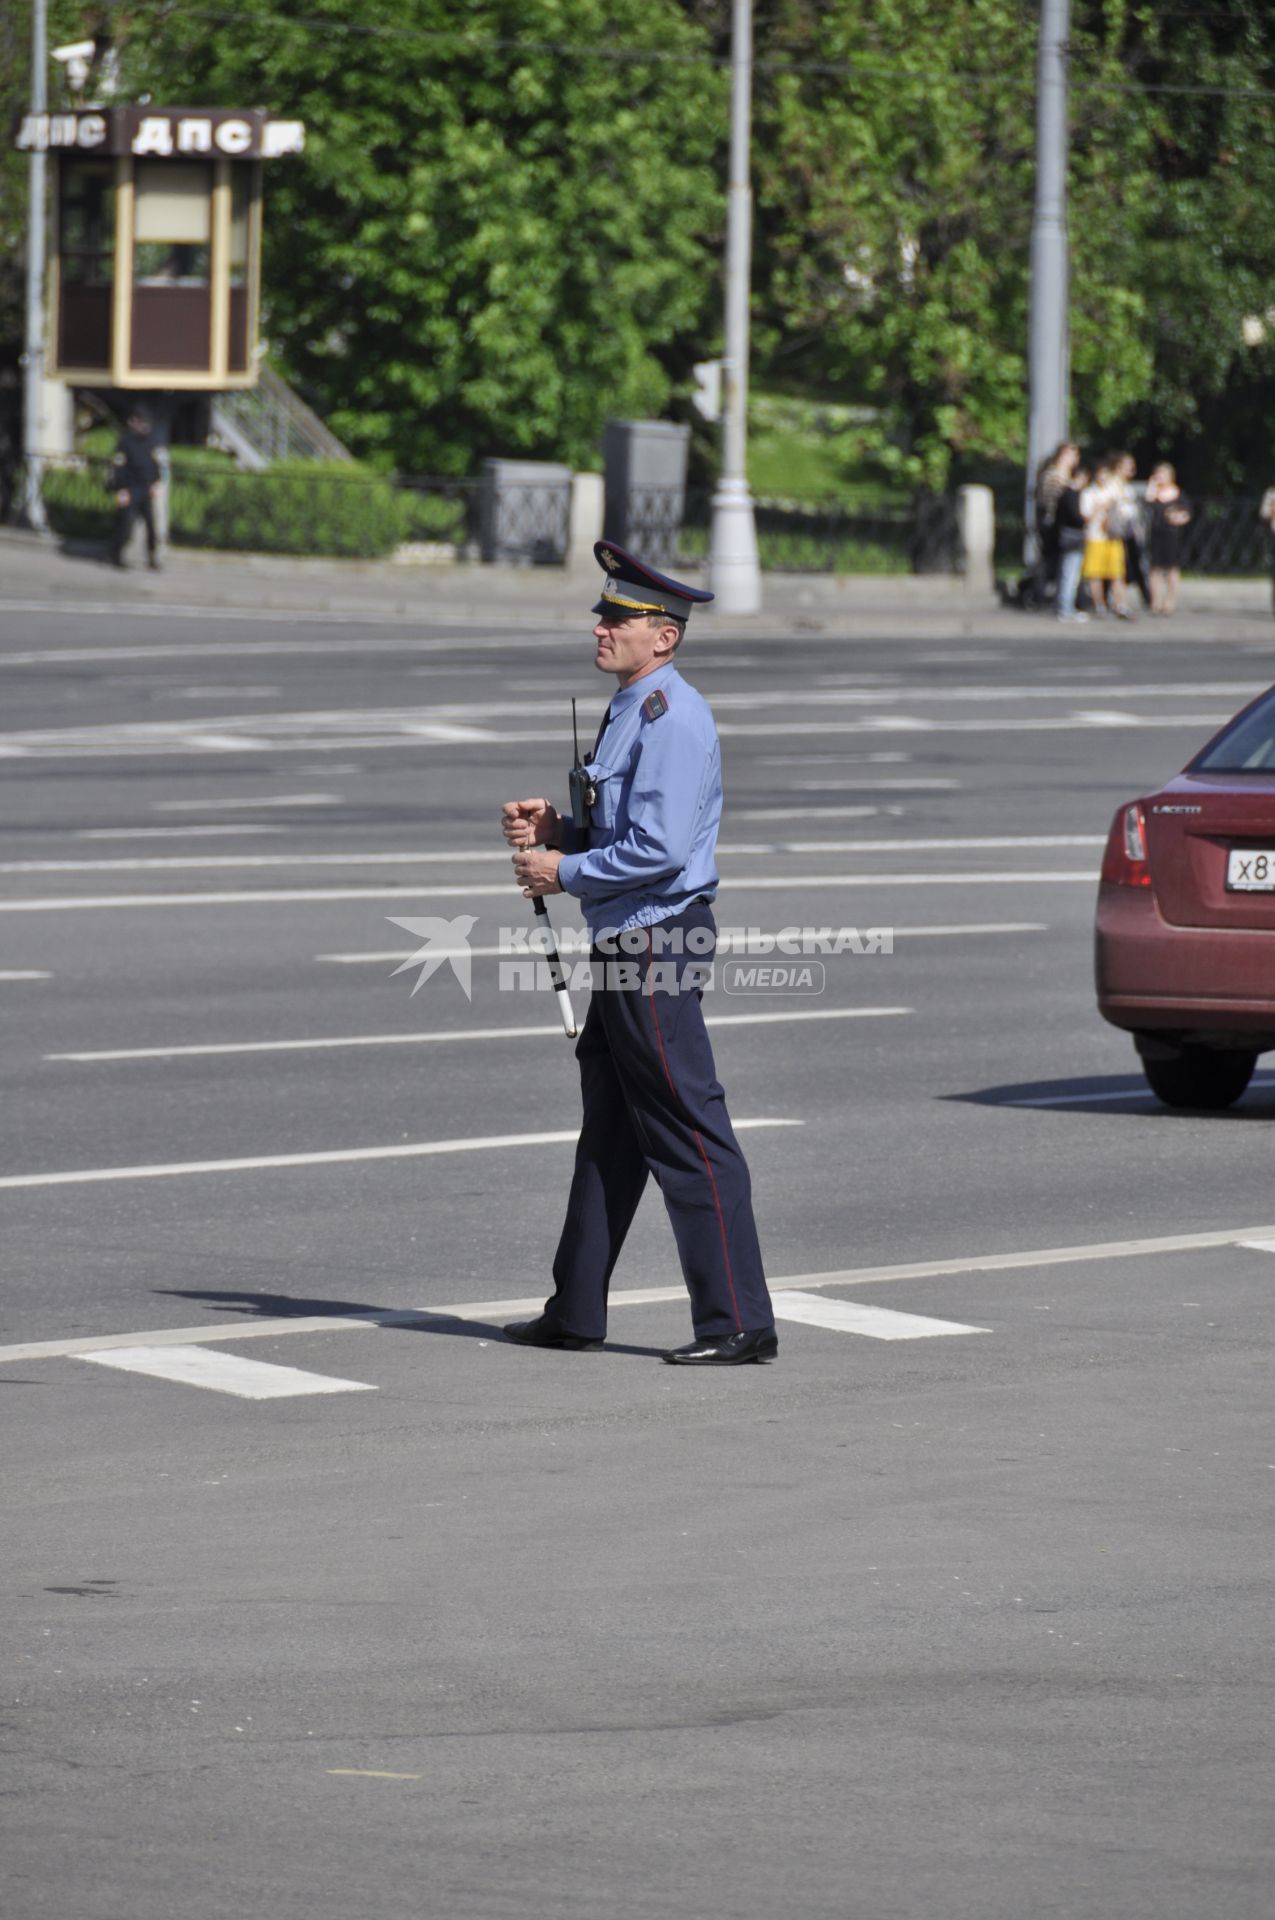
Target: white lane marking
<point>569,939</point>
<point>414,857</point>
<point>779,883</point>
<point>464,1033</point>
<point>24,973</point>
<point>803,1013</point>
<point>208,1335</point>
<point>908,723</point>
<point>246,733</point>
<point>263,896</point>
<point>768,699</point>
<point>269,800</point>
<point>987,842</point>
<point>359,620</point>
<point>369,1773</point>
<point>1128,1093</point>
<point>206,742</point>
<point>496,1310</point>
<point>1258,1246</point>
<point>411,1150</point>
<point>576,940</point>
<point>847,1316</point>
<point>314,1045</point>
<point>759,883</point>
<point>807,813</point>
<point>356,619</point>
<point>222,1372</point>
<point>833,784</point>
<point>989,926</point>
<point>257,733</point>
<point>168,833</point>
<point>215,693</point>
<point>242,862</point>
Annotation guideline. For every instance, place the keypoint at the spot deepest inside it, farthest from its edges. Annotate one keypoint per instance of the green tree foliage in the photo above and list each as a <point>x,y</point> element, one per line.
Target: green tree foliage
<point>1179,101</point>
<point>895,173</point>
<point>495,237</point>
<point>508,220</point>
<point>896,180</point>
<point>894,209</point>
<point>67,20</point>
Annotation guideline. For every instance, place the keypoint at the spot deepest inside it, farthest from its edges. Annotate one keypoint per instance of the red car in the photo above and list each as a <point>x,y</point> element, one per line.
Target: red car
<point>1185,936</point>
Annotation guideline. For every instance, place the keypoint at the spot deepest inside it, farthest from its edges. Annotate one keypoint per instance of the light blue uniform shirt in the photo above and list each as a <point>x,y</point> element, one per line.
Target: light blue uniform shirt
<point>653,831</point>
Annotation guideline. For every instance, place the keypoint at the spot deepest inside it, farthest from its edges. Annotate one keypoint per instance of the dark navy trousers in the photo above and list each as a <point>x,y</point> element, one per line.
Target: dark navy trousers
<point>653,1105</point>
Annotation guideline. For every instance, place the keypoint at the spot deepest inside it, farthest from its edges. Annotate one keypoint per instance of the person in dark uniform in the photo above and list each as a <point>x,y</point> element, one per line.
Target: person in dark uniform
<point>134,481</point>
<point>642,867</point>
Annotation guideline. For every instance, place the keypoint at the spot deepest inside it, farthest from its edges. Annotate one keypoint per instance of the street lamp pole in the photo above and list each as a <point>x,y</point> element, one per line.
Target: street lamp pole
<point>733,567</point>
<point>1048,346</point>
<point>33,356</point>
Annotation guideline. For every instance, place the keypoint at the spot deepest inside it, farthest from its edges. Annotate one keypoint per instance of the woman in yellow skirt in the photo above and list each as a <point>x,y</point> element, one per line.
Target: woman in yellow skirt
<point>1103,570</point>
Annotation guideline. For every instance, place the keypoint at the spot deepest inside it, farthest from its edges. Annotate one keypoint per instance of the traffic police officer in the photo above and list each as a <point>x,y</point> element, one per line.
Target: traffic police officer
<point>642,866</point>
<point>134,481</point>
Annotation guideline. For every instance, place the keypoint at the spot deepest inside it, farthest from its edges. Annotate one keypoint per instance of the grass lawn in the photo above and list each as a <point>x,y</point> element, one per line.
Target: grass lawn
<point>809,450</point>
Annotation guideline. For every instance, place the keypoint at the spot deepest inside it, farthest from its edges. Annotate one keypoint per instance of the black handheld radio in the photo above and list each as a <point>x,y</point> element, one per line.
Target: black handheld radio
<point>583,791</point>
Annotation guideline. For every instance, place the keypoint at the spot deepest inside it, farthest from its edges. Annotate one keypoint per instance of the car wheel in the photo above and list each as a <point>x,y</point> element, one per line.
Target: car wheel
<point>1199,1077</point>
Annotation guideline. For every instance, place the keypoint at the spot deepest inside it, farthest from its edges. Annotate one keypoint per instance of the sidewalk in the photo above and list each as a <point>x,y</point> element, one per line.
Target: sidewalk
<point>39,572</point>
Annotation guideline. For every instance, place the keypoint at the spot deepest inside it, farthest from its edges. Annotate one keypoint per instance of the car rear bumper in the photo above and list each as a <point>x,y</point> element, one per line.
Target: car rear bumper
<point>1191,980</point>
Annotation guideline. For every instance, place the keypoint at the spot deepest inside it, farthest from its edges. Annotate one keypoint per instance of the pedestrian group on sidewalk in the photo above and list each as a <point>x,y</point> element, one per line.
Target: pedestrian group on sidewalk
<point>1099,531</point>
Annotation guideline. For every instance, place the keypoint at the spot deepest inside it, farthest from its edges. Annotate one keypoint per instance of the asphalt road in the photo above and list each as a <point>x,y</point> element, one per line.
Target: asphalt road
<point>962,1608</point>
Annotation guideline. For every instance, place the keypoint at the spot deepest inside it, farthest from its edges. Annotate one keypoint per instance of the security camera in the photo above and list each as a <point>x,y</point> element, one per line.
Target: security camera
<point>77,58</point>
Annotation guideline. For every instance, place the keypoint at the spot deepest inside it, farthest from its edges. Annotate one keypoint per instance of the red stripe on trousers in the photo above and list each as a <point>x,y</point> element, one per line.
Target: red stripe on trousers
<point>721,1223</point>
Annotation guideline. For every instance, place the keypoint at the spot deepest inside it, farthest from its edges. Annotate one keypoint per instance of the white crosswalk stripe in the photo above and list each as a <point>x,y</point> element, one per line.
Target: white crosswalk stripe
<point>222,1372</point>
<point>876,1323</point>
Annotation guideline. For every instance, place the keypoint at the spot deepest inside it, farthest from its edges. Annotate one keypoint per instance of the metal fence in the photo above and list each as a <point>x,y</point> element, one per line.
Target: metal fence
<point>523,521</point>
<point>313,508</point>
<point>666,525</point>
<point>441,513</point>
<point>805,536</point>
<point>1225,536</point>
<point>922,536</point>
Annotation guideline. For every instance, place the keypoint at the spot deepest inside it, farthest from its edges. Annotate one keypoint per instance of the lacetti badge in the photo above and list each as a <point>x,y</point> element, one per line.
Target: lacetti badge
<point>1183,809</point>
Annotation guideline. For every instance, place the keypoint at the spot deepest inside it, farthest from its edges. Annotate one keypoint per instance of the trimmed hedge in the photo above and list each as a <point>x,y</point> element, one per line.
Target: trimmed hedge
<point>297,506</point>
<point>76,501</point>
<point>316,507</point>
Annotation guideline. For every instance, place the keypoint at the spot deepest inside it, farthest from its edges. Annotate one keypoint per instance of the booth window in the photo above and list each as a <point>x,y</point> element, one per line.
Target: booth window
<point>172,228</point>
<point>86,256</point>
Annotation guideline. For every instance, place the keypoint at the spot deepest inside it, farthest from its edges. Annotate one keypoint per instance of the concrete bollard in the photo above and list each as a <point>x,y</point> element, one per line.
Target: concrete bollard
<point>588,495</point>
<point>976,515</point>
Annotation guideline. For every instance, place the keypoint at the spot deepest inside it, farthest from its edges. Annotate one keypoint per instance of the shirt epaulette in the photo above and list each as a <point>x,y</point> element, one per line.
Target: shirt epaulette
<point>654,705</point>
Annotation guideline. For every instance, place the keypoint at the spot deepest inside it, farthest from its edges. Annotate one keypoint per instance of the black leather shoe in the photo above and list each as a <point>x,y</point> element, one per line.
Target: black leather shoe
<point>544,1332</point>
<point>727,1349</point>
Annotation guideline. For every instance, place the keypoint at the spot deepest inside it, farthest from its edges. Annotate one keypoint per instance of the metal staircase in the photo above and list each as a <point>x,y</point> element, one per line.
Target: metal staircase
<point>268,422</point>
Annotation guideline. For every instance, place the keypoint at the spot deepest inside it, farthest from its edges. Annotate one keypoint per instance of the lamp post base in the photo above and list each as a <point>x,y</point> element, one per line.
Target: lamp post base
<point>734,572</point>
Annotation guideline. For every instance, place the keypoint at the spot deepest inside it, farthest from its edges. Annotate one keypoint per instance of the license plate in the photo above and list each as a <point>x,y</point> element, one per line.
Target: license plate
<point>1250,870</point>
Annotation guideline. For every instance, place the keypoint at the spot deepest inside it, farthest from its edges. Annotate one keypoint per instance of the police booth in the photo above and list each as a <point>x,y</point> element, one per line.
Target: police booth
<point>155,267</point>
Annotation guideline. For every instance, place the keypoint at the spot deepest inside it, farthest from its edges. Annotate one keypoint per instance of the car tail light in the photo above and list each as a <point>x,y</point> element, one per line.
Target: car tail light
<point>1124,864</point>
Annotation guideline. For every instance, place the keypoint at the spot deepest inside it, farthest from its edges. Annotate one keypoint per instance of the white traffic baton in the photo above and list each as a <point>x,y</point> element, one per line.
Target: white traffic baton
<point>557,972</point>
